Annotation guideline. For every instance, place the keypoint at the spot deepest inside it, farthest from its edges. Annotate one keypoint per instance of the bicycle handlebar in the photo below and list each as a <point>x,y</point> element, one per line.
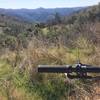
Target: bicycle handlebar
<point>67,69</point>
<point>81,70</point>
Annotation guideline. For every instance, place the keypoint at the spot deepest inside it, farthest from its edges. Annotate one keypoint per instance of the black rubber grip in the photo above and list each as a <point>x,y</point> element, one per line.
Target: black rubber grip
<point>66,69</point>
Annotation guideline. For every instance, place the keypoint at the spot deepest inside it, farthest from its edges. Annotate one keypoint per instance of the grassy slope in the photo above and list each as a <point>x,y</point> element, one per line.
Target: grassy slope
<point>21,82</point>
<point>26,85</point>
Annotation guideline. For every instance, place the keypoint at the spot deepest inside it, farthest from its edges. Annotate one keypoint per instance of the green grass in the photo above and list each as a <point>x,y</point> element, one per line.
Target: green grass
<point>14,84</point>
<point>28,85</point>
<point>5,69</point>
<point>45,31</point>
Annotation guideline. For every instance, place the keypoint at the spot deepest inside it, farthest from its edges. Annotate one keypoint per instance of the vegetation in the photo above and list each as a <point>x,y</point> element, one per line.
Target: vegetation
<point>39,14</point>
<point>23,46</point>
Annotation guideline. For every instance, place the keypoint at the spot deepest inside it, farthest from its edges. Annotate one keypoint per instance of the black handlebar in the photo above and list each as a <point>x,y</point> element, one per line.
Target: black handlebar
<point>81,70</point>
<point>67,69</point>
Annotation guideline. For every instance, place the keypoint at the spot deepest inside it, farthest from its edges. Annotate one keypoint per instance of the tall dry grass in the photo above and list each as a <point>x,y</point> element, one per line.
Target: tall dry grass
<point>27,60</point>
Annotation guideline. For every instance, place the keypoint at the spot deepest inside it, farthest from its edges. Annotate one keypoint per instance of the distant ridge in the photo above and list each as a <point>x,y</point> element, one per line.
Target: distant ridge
<point>39,14</point>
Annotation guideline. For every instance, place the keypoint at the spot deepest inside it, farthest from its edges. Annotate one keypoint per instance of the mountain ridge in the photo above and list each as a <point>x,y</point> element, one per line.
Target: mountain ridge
<point>38,14</point>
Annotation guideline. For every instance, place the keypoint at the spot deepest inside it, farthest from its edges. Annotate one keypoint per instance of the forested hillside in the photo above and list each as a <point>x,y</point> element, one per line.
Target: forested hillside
<point>39,14</point>
<point>62,40</point>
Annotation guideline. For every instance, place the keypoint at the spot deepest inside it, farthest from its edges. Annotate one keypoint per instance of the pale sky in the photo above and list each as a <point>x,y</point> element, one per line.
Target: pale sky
<point>32,4</point>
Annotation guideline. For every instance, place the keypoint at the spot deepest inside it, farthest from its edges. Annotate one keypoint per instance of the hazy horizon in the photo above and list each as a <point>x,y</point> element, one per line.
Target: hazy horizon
<point>34,4</point>
<point>41,8</point>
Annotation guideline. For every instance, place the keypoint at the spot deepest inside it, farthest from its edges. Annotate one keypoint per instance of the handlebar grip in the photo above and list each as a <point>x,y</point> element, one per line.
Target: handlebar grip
<point>67,69</point>
<point>53,68</point>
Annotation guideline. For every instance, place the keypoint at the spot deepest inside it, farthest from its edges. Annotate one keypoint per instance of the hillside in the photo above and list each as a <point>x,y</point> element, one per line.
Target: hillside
<point>65,40</point>
<point>39,14</point>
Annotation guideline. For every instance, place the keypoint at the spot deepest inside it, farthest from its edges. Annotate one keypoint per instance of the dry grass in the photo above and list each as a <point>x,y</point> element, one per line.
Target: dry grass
<point>37,53</point>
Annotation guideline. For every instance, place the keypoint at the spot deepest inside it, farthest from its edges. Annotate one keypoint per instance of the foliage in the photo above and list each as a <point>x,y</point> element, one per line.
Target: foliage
<point>24,46</point>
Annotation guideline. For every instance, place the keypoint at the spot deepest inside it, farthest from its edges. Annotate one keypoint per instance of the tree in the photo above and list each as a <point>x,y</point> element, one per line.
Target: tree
<point>57,18</point>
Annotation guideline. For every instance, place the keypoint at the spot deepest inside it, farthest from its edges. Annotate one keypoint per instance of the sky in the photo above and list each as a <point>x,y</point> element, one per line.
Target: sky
<point>32,4</point>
